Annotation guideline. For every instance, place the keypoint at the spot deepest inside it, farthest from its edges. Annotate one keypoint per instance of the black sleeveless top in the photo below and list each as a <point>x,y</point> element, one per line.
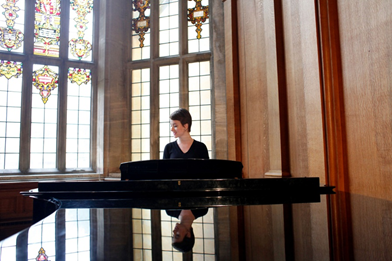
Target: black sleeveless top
<point>198,150</point>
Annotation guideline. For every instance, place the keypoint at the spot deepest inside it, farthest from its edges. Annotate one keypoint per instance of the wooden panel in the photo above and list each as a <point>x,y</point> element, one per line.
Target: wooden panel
<point>305,116</point>
<point>16,211</point>
<point>366,54</point>
<point>260,131</point>
<point>366,64</point>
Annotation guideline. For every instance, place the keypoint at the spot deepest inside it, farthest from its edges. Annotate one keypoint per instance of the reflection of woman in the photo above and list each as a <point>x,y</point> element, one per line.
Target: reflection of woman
<point>184,147</point>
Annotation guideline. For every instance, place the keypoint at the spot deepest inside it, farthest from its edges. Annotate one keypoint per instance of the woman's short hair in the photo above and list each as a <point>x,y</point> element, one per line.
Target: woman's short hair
<point>187,243</point>
<point>183,116</point>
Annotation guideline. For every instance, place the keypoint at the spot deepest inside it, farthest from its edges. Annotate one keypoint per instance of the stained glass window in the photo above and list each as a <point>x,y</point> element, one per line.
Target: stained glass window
<point>78,118</point>
<point>43,148</point>
<point>80,30</point>
<point>47,27</point>
<point>141,35</point>
<point>198,37</point>
<point>12,25</point>
<point>10,113</point>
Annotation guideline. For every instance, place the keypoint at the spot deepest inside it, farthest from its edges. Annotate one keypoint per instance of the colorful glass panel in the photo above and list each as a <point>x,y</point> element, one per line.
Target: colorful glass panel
<point>11,26</point>
<point>47,27</point>
<point>43,146</point>
<point>10,113</point>
<point>199,38</point>
<point>81,14</point>
<point>141,24</point>
<point>197,16</point>
<point>140,30</point>
<point>78,119</point>
<point>45,80</point>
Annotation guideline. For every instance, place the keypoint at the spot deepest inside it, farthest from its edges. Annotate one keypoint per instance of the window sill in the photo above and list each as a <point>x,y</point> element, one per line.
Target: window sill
<point>50,177</point>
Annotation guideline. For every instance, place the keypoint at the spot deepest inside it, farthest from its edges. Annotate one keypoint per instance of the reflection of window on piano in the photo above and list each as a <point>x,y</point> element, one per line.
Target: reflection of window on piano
<point>8,248</point>
<point>141,226</point>
<point>77,234</point>
<point>167,226</point>
<point>42,235</point>
<point>203,228</point>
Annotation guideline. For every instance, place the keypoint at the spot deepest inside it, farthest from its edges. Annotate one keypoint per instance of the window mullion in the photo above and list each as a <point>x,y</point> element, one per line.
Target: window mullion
<point>62,99</point>
<point>183,23</point>
<point>25,137</point>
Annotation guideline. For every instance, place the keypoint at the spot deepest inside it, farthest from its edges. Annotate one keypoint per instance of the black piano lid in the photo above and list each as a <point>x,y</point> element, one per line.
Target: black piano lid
<point>181,169</point>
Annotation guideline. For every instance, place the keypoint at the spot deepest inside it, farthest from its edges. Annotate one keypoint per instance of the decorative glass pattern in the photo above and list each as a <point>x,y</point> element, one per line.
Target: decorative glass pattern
<point>43,148</point>
<point>200,102</point>
<point>169,101</point>
<point>141,114</point>
<point>47,27</point>
<point>81,33</point>
<point>45,80</point>
<point>77,234</point>
<point>141,24</point>
<point>10,113</point>
<point>168,28</point>
<point>140,30</point>
<point>198,14</point>
<point>42,239</point>
<point>78,118</point>
<point>141,226</point>
<point>12,25</point>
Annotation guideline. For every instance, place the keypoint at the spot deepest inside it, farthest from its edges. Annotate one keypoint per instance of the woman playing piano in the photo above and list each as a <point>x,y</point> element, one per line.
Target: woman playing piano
<point>184,147</point>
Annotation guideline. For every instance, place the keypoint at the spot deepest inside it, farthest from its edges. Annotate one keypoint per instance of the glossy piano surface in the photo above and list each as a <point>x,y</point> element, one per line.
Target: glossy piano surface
<point>126,220</point>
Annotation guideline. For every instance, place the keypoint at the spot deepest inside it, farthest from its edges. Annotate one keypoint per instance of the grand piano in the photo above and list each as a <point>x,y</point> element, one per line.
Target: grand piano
<point>158,185</point>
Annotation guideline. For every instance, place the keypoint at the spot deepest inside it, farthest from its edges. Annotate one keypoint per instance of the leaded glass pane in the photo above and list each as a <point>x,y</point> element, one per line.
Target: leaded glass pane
<point>47,27</point>
<point>168,28</point>
<point>12,25</point>
<point>42,239</point>
<point>141,36</point>
<point>200,102</point>
<point>203,43</point>
<point>10,113</point>
<point>81,29</point>
<point>140,114</point>
<point>78,118</point>
<point>77,234</point>
<point>141,228</point>
<point>169,101</point>
<point>44,117</point>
